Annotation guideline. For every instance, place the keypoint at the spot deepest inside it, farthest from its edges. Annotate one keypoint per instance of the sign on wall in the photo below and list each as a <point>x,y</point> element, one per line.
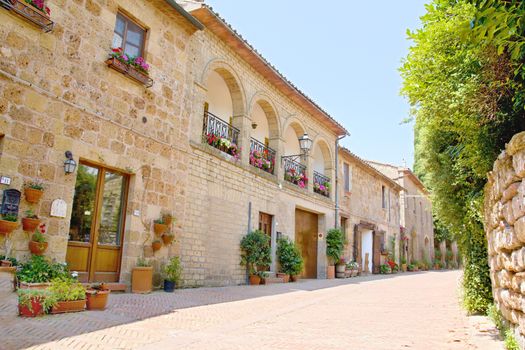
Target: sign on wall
<point>59,208</point>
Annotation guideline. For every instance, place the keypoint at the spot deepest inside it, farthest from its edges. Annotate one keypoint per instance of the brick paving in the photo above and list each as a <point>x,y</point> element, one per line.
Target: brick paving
<point>403,311</point>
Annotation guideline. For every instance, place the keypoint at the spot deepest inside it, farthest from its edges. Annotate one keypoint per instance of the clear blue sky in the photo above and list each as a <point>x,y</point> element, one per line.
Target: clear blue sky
<point>344,54</point>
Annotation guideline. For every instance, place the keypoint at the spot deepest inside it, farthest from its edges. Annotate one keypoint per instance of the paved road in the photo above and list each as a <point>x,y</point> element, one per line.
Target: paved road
<point>403,311</point>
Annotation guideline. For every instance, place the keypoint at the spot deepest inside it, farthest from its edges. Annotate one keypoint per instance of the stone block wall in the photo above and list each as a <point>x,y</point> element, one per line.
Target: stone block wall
<point>504,213</point>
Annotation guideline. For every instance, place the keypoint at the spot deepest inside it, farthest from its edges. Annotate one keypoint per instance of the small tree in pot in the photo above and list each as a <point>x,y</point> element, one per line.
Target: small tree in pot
<point>335,243</point>
<point>172,272</point>
<point>289,257</point>
<point>256,254</point>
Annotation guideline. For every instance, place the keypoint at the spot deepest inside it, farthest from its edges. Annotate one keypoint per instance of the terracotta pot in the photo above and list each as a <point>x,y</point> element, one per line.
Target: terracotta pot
<point>355,273</point>
<point>294,278</point>
<point>168,219</point>
<point>32,195</point>
<point>37,248</point>
<point>404,267</point>
<point>6,227</point>
<point>25,285</point>
<point>29,224</point>
<point>156,245</point>
<point>255,280</point>
<point>284,276</point>
<point>330,272</point>
<point>159,228</point>
<point>69,306</point>
<point>142,279</point>
<point>5,263</point>
<point>36,309</point>
<point>98,300</point>
<point>167,239</point>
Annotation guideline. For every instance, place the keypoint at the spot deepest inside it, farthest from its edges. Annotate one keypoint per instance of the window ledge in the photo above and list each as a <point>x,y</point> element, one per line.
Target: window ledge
<point>130,72</point>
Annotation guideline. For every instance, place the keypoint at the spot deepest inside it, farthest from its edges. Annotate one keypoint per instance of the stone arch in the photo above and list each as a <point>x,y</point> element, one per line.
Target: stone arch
<point>261,101</point>
<point>292,130</point>
<point>322,154</point>
<point>231,80</point>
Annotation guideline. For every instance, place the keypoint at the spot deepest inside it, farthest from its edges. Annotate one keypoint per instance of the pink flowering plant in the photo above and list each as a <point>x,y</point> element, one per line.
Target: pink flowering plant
<point>223,144</point>
<point>262,160</point>
<point>322,188</point>
<point>138,63</point>
<point>39,5</point>
<point>299,179</point>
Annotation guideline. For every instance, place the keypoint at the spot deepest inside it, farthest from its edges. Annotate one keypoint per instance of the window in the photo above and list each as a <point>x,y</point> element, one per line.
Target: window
<point>129,36</point>
<point>347,175</point>
<point>383,197</point>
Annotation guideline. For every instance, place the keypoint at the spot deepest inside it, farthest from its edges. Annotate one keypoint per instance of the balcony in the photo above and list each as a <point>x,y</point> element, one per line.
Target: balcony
<point>295,172</point>
<point>262,156</point>
<point>220,134</point>
<point>36,15</point>
<point>321,184</point>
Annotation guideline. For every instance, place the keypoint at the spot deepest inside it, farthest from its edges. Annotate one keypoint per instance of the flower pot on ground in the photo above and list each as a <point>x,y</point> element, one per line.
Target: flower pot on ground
<point>30,222</point>
<point>352,266</point>
<point>38,271</point>
<point>167,238</point>
<point>8,223</point>
<point>38,243</point>
<point>34,302</point>
<point>70,295</point>
<point>335,243</point>
<point>172,272</point>
<point>255,280</point>
<point>284,276</point>
<point>294,278</point>
<point>385,269</point>
<point>156,245</point>
<point>142,278</point>
<point>256,253</point>
<point>340,269</point>
<point>289,257</point>
<point>97,296</point>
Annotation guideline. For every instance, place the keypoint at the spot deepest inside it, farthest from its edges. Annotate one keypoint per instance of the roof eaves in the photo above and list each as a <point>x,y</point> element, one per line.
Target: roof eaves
<point>194,21</point>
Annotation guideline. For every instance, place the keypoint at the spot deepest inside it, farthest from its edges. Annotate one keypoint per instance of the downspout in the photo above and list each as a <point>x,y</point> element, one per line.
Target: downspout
<point>337,180</point>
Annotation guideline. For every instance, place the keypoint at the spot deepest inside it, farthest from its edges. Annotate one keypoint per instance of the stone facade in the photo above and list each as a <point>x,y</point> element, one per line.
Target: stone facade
<point>415,213</point>
<point>370,201</point>
<point>504,213</point>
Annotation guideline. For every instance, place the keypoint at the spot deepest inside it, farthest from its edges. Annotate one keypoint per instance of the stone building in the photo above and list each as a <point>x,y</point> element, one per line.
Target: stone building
<point>210,136</point>
<point>415,213</point>
<point>369,212</point>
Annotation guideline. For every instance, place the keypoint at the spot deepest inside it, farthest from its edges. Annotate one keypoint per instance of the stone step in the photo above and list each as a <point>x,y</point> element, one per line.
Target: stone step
<point>272,280</point>
<point>113,286</point>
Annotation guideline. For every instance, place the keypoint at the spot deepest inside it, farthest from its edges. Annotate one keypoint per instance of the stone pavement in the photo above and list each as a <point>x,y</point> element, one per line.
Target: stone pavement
<point>403,311</point>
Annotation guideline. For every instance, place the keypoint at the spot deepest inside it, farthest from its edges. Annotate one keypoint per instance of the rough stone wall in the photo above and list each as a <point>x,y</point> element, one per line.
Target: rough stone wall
<point>364,203</point>
<point>57,94</point>
<point>504,214</point>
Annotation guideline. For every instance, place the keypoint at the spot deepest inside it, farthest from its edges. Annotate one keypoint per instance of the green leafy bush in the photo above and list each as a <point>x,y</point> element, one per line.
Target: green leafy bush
<point>173,270</point>
<point>13,261</point>
<point>335,244</point>
<point>256,252</point>
<point>39,270</point>
<point>10,217</point>
<point>510,341</point>
<point>67,289</point>
<point>289,257</point>
<point>45,297</point>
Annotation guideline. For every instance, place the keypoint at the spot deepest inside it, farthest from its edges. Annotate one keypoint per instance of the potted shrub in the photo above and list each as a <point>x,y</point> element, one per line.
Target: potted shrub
<point>256,254</point>
<point>404,264</point>
<point>289,258</point>
<point>156,245</point>
<point>159,226</point>
<point>34,302</point>
<point>97,296</point>
<point>33,191</point>
<point>335,243</point>
<point>30,222</point>
<point>172,272</point>
<point>142,277</point>
<point>8,223</point>
<point>353,267</point>
<point>38,272</point>
<point>167,238</point>
<point>385,269</point>
<point>38,243</point>
<point>70,295</point>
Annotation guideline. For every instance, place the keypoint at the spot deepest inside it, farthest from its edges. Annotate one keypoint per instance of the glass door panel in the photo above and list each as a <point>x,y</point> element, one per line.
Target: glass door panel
<point>83,204</point>
<point>111,209</point>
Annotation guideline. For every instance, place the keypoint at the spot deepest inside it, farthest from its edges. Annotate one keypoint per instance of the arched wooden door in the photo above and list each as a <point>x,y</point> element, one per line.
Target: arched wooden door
<point>96,230</point>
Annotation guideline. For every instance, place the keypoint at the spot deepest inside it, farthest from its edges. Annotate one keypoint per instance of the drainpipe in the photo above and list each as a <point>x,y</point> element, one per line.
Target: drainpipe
<point>337,179</point>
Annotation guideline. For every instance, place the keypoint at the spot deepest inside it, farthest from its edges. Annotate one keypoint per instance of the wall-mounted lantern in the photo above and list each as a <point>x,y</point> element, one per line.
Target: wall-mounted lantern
<point>69,164</point>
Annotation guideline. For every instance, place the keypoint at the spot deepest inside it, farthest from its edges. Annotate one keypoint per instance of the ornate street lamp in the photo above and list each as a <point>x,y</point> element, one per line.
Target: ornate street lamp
<point>305,143</point>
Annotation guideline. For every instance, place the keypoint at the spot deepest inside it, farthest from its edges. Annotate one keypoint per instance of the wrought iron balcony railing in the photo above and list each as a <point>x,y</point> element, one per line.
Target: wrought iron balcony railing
<point>262,156</point>
<point>295,172</point>
<point>220,134</point>
<point>321,184</point>
<point>38,17</point>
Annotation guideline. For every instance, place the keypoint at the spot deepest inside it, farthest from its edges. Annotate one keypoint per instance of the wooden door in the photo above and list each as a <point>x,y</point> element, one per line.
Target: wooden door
<point>378,246</point>
<point>97,223</point>
<point>265,223</point>
<point>306,238</point>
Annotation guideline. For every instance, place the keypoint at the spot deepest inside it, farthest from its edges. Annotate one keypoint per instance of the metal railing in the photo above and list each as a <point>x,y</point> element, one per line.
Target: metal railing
<point>220,134</point>
<point>262,156</point>
<point>30,13</point>
<point>321,184</point>
<point>294,172</point>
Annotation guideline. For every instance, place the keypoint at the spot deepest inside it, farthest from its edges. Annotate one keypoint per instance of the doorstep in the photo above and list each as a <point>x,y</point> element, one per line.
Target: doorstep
<point>273,280</point>
<point>113,286</point>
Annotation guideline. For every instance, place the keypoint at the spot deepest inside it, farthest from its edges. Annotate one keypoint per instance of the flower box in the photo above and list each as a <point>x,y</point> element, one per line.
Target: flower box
<point>130,71</point>
<point>69,306</point>
<point>30,12</point>
<point>26,285</point>
<point>34,310</point>
<point>140,77</point>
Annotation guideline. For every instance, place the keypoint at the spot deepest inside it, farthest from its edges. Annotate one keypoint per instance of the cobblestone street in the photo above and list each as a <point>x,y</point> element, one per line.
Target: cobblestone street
<point>417,311</point>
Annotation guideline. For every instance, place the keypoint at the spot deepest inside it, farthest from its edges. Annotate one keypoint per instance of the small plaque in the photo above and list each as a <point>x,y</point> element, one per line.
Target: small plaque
<point>4,180</point>
<point>59,208</point>
<point>136,212</point>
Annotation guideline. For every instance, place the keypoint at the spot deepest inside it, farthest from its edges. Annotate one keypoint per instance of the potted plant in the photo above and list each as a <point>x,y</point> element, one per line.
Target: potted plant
<point>34,302</point>
<point>156,245</point>
<point>385,269</point>
<point>167,218</point>
<point>289,258</point>
<point>70,295</point>
<point>30,222</point>
<point>6,261</point>
<point>38,272</point>
<point>142,277</point>
<point>335,244</point>
<point>38,243</point>
<point>167,238</point>
<point>404,264</point>
<point>33,191</point>
<point>353,267</point>
<point>256,254</point>
<point>97,296</point>
<point>172,272</point>
<point>8,223</point>
<point>159,226</point>
<point>340,268</point>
